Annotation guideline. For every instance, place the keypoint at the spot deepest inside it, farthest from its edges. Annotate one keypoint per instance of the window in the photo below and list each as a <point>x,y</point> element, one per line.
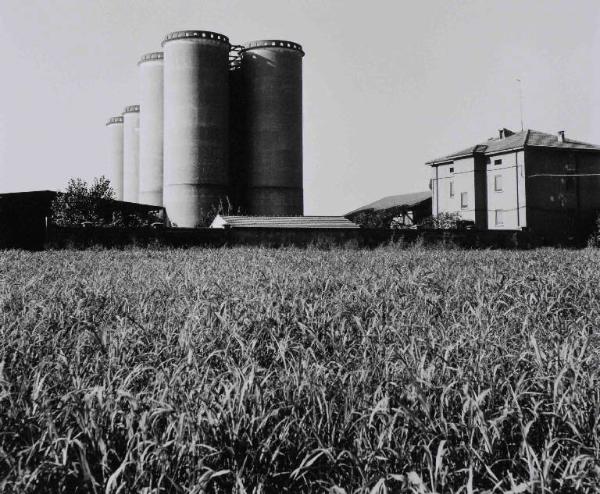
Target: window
<point>451,169</point>
<point>498,183</point>
<point>497,162</point>
<point>451,188</point>
<point>499,219</point>
<point>464,200</point>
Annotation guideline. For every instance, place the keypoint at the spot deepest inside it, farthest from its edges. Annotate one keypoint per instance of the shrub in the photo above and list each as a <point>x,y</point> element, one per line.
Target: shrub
<point>82,203</point>
<point>594,239</point>
<point>443,221</point>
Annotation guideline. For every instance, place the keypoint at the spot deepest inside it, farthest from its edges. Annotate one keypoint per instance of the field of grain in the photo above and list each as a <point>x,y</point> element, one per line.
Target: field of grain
<point>259,370</point>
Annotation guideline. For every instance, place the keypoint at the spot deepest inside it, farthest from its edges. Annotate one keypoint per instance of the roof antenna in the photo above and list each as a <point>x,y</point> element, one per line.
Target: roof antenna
<point>520,102</point>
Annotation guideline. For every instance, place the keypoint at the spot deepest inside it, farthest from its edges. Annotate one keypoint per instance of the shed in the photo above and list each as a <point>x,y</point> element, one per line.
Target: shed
<point>298,222</point>
<point>403,210</point>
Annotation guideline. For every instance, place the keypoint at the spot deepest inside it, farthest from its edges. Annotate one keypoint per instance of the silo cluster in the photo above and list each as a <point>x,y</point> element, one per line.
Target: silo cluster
<point>217,125</point>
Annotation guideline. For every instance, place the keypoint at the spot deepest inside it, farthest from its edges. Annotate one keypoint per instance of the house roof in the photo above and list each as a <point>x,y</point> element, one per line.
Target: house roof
<point>397,201</point>
<point>518,140</point>
<point>310,222</point>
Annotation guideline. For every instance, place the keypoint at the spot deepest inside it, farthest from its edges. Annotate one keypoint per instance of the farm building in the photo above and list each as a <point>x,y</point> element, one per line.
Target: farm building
<point>23,216</point>
<point>403,210</point>
<point>545,183</point>
<point>300,222</point>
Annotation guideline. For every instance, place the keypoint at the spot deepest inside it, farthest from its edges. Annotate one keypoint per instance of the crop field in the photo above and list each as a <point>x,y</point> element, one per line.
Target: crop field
<point>259,370</point>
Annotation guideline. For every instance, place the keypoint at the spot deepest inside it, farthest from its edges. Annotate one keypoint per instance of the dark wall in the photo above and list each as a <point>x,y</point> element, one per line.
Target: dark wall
<point>23,219</point>
<point>561,203</point>
<point>59,238</point>
<point>480,177</point>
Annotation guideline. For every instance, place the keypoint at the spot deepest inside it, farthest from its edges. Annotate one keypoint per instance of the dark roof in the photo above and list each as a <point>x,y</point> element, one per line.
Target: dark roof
<point>282,222</point>
<point>397,201</point>
<point>518,140</point>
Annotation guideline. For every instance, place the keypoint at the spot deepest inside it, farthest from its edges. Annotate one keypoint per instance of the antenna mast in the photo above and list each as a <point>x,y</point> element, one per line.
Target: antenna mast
<point>520,103</point>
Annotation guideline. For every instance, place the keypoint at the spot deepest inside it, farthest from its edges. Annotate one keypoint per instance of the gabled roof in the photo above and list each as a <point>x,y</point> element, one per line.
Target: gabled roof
<point>518,140</point>
<point>282,222</point>
<point>397,201</point>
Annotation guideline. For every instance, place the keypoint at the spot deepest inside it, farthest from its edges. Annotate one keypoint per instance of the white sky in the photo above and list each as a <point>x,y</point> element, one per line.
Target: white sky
<point>388,84</point>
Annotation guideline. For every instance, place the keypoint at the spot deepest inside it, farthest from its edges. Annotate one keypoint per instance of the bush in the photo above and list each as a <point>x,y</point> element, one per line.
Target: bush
<point>443,221</point>
<point>94,205</point>
<point>594,240</point>
<point>82,203</point>
<point>224,208</point>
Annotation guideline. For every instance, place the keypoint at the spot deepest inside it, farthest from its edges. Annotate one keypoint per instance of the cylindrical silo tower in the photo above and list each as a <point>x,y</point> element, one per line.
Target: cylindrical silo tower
<point>115,155</point>
<point>196,106</point>
<point>151,129</point>
<point>131,153</point>
<point>272,85</point>
<point>237,165</point>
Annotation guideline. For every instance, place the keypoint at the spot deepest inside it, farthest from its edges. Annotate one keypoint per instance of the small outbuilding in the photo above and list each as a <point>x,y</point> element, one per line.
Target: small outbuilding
<point>403,210</point>
<point>297,222</point>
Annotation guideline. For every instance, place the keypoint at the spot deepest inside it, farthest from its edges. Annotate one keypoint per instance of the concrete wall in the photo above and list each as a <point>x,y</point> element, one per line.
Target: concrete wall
<point>277,237</point>
<point>559,205</point>
<point>511,199</point>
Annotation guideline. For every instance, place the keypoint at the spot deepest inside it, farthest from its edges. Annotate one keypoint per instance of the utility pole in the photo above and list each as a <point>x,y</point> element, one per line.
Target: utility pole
<point>521,102</point>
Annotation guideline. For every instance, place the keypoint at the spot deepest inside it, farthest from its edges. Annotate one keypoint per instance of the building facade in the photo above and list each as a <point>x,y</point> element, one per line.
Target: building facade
<point>531,180</point>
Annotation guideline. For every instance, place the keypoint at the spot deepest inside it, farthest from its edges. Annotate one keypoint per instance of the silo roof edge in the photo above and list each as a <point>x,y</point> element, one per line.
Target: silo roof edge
<point>273,43</point>
<point>208,35</point>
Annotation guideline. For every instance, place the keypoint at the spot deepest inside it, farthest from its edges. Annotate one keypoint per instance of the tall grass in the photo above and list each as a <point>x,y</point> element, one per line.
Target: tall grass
<point>255,370</point>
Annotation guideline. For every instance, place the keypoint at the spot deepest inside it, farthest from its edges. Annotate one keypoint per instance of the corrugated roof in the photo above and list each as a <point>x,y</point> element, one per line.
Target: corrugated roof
<point>518,141</point>
<point>397,201</point>
<point>282,222</point>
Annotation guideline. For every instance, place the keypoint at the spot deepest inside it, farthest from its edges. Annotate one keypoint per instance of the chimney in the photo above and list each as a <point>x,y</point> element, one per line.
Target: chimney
<point>561,136</point>
<point>504,133</point>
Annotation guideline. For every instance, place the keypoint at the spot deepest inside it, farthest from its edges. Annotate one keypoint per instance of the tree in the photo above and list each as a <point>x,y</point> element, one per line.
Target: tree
<point>82,203</point>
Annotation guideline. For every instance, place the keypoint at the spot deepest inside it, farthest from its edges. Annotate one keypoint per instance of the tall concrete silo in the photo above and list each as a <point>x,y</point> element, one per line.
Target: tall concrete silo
<point>115,155</point>
<point>151,129</point>
<point>237,165</point>
<point>196,107</point>
<point>131,153</point>
<point>272,85</point>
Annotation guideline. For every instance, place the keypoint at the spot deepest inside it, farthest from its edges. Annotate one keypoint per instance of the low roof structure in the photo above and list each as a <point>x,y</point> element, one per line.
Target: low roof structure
<point>400,201</point>
<point>513,141</point>
<point>304,222</point>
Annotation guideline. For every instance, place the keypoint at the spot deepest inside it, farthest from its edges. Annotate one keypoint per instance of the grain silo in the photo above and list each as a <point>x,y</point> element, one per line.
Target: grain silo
<point>272,86</point>
<point>196,106</point>
<point>131,153</point>
<point>115,155</point>
<point>151,129</point>
<point>237,166</point>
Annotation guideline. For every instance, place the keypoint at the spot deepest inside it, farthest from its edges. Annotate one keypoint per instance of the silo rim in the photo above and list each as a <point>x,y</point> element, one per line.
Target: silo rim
<point>131,109</point>
<point>155,55</point>
<point>272,43</point>
<point>115,120</point>
<point>208,35</point>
